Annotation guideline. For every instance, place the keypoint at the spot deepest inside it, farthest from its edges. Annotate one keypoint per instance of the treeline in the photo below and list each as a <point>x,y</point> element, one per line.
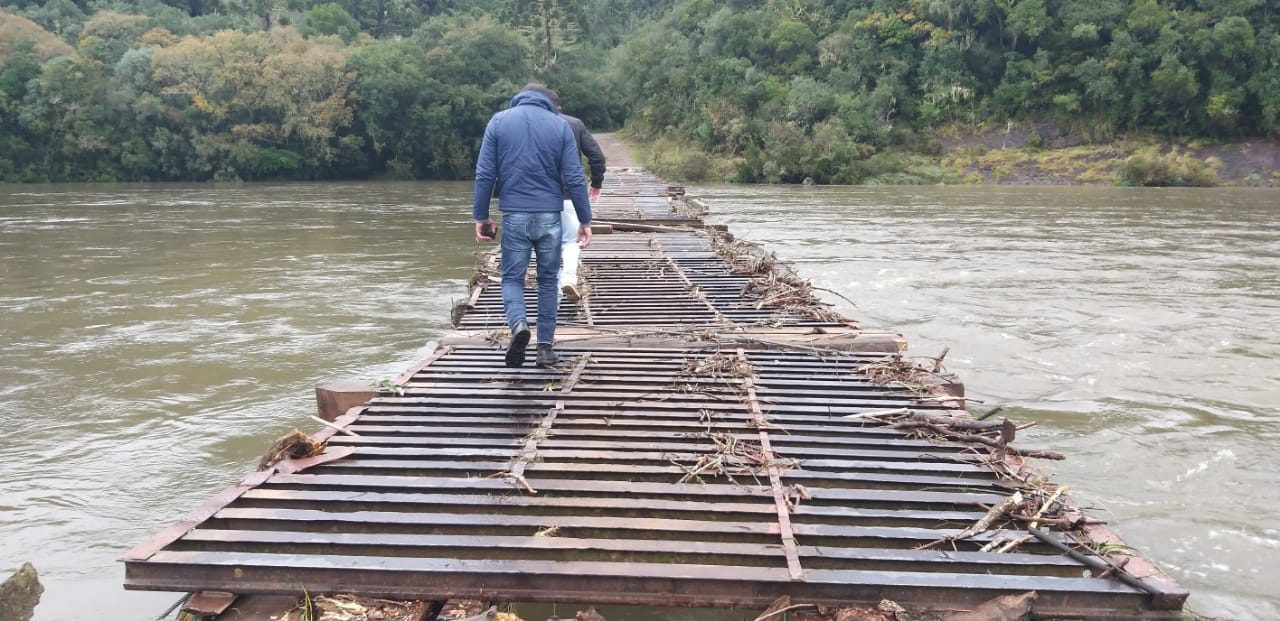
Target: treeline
<point>112,90</point>
<point>798,88</point>
<point>257,89</point>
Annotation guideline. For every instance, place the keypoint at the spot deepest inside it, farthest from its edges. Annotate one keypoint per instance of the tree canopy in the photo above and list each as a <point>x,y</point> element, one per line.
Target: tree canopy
<point>116,90</point>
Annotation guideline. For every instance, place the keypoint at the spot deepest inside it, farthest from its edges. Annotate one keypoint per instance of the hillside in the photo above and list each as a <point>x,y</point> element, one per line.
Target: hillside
<point>745,91</point>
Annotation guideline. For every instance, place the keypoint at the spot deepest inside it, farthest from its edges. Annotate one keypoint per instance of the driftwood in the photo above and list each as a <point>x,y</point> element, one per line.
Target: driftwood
<point>631,227</point>
<point>955,428</point>
<point>338,428</point>
<point>1002,545</point>
<point>983,524</point>
<point>958,422</point>
<point>292,445</point>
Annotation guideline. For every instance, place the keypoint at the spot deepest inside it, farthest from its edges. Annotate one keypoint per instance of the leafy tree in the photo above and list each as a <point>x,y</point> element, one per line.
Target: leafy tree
<point>550,24</point>
<point>382,18</point>
<point>200,89</point>
<point>108,35</point>
<point>64,109</point>
<point>331,19</point>
<point>583,82</point>
<point>19,31</point>
<point>1027,18</point>
<point>1263,86</point>
<point>20,66</point>
<point>61,17</point>
<point>1102,92</point>
<point>391,79</point>
<point>1175,86</point>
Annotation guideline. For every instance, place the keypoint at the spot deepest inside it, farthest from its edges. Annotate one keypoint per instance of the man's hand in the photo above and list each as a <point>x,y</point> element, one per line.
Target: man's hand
<point>584,235</point>
<point>593,193</point>
<point>483,227</point>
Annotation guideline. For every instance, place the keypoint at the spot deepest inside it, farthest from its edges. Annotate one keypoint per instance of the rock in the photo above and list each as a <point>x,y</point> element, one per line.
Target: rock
<point>1003,608</point>
<point>589,614</point>
<point>20,594</point>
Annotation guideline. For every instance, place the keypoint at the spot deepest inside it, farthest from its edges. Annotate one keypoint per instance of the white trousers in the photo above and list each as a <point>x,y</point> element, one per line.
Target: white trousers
<point>569,249</point>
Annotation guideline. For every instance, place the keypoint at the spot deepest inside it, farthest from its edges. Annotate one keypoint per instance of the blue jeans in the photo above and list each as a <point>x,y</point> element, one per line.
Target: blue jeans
<point>540,233</point>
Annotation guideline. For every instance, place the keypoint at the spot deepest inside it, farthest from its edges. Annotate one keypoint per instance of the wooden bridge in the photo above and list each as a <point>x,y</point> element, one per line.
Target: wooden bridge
<point>716,436</point>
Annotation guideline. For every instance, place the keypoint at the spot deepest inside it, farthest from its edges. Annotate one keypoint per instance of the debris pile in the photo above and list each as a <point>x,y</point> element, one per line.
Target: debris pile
<point>292,445</point>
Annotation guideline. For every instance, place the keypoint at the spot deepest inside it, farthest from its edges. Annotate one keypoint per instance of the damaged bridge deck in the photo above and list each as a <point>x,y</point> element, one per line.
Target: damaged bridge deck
<point>715,436</point>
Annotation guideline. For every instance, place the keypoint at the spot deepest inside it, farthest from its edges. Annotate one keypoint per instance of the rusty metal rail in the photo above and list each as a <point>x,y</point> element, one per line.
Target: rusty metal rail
<point>614,500</point>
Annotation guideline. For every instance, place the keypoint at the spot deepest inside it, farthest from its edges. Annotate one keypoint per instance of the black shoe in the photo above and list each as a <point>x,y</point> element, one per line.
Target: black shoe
<point>519,342</point>
<point>547,356</point>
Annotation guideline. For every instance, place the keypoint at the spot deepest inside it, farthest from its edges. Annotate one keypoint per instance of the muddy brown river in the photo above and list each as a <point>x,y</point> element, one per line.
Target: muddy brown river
<point>157,338</point>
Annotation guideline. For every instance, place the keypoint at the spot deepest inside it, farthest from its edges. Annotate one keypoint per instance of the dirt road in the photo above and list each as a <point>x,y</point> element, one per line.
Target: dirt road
<point>615,153</point>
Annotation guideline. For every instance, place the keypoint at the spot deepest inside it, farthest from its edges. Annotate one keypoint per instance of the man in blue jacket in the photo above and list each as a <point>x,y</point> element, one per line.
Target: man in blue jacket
<point>530,157</point>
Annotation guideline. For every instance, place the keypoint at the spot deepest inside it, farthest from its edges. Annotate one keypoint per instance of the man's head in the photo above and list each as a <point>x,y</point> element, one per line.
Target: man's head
<point>543,90</point>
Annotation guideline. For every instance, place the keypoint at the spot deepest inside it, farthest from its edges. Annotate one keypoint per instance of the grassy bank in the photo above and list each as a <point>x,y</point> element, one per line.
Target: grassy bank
<point>1009,158</point>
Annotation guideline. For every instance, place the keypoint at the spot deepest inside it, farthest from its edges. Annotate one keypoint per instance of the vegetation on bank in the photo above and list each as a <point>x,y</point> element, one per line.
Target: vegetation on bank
<point>874,91</point>
<point>1124,162</point>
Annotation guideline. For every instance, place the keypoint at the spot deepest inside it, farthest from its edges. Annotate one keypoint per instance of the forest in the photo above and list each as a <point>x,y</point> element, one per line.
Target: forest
<point>740,90</point>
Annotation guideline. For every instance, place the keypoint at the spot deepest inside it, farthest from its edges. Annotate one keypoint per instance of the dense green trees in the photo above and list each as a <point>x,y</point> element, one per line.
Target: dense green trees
<point>782,89</point>
<point>806,88</point>
<point>279,89</point>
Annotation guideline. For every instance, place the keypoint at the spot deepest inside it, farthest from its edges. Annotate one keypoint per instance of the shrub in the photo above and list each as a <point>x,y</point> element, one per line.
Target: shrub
<point>695,167</point>
<point>1151,169</point>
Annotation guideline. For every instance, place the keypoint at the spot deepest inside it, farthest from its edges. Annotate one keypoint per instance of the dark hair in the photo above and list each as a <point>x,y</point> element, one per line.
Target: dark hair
<point>539,88</point>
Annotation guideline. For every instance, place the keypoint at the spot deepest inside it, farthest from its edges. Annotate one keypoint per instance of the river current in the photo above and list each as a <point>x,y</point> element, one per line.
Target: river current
<point>157,338</point>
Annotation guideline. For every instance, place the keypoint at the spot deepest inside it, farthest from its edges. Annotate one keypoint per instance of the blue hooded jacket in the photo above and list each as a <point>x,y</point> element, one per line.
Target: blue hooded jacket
<point>530,156</point>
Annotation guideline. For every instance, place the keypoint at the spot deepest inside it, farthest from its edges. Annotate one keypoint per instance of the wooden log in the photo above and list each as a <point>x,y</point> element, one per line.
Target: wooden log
<point>334,398</point>
<point>957,422</point>
<point>635,227</point>
<point>883,342</point>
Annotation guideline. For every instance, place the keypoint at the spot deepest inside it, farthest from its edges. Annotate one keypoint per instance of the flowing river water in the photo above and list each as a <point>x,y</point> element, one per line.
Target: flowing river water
<point>157,338</point>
